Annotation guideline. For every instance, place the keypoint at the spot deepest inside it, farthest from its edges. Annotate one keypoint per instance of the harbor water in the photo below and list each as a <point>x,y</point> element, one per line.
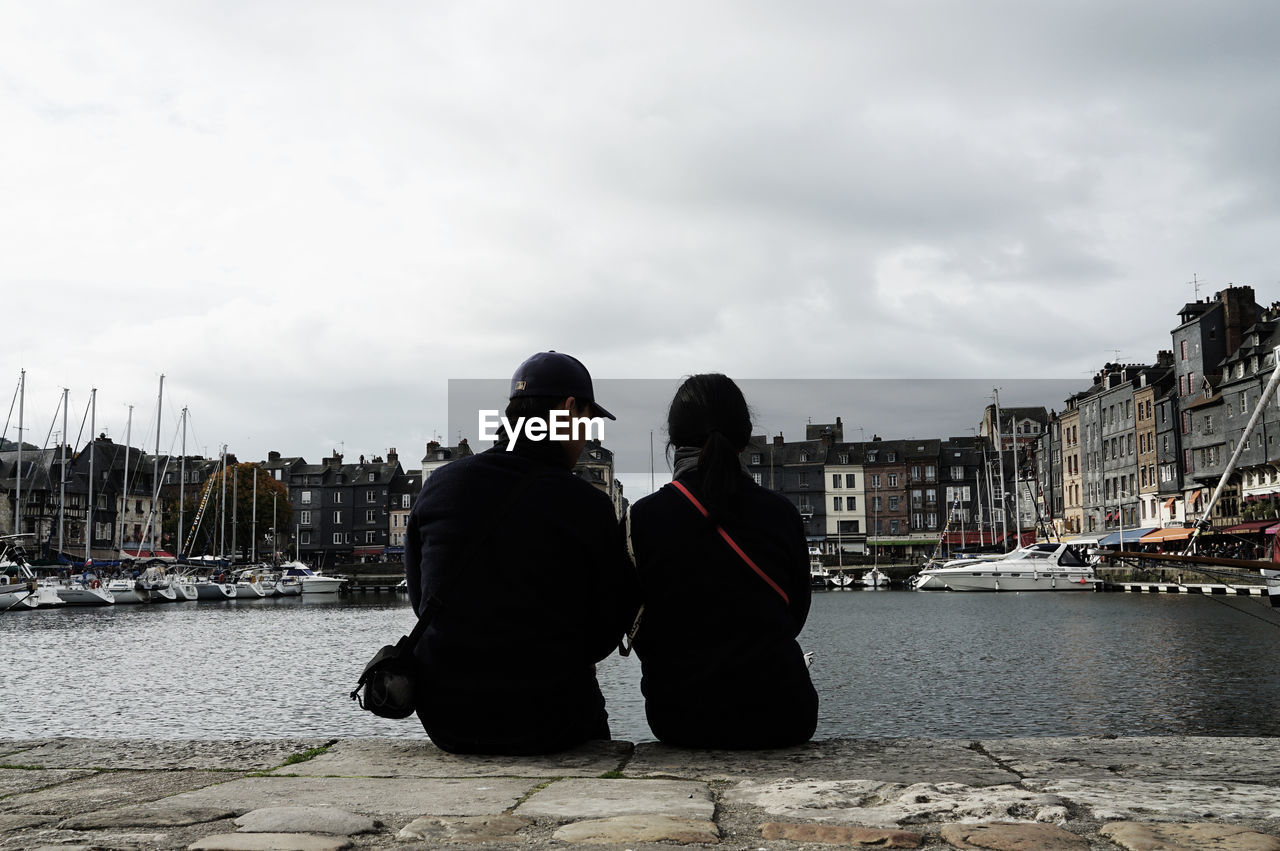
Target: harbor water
<point>887,664</point>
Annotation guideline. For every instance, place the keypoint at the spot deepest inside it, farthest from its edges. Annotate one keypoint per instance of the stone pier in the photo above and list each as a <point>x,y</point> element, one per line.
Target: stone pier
<point>1045,793</point>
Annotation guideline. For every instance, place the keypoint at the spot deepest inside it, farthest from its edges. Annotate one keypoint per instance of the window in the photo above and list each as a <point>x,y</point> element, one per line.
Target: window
<point>875,480</point>
<point>891,457</point>
<point>337,517</point>
<point>756,477</point>
<point>917,520</point>
<point>843,459</point>
<point>1184,349</point>
<point>804,480</point>
<point>304,518</point>
<point>371,537</point>
<point>915,471</point>
<point>875,503</point>
<point>373,477</point>
<point>893,526</point>
<point>917,498</point>
<point>755,457</point>
<point>853,504</point>
<point>930,472</point>
<point>1244,402</point>
<point>371,516</point>
<point>305,537</point>
<point>957,473</point>
<point>837,503</point>
<point>1186,422</point>
<point>849,480</point>
<point>893,503</point>
<point>804,456</point>
<point>931,521</point>
<point>276,474</point>
<point>371,496</point>
<point>337,537</point>
<point>835,480</point>
<point>893,480</point>
<point>337,497</point>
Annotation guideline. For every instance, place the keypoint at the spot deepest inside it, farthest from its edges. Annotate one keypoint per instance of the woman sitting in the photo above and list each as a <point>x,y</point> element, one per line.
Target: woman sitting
<point>724,578</point>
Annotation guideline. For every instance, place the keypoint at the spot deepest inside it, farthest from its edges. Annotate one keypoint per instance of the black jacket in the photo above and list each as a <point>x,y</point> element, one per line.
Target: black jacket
<point>530,600</point>
<point>720,661</point>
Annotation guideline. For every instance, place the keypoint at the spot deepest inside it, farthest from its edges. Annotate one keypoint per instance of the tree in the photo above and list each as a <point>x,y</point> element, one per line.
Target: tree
<point>205,533</point>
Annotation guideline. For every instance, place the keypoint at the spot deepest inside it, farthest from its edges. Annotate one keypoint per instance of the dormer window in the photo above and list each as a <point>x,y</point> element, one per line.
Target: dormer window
<point>804,456</point>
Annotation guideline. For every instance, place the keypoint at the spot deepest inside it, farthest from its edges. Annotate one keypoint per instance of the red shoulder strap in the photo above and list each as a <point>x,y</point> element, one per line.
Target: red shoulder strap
<point>734,544</point>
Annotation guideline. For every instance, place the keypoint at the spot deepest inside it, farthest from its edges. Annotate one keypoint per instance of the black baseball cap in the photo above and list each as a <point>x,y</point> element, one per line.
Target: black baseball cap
<point>555,374</point>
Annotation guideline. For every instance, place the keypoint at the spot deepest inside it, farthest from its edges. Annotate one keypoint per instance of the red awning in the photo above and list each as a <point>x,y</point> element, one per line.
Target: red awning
<point>367,551</point>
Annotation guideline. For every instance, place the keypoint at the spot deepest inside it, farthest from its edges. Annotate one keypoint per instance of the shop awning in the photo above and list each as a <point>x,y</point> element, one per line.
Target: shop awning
<point>367,551</point>
<point>1168,503</point>
<point>1271,530</point>
<point>1130,536</point>
<point>1170,533</point>
<point>1249,526</point>
<point>875,542</point>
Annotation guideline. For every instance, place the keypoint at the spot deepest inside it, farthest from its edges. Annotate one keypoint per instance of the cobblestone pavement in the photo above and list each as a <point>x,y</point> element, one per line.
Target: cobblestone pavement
<point>1207,794</point>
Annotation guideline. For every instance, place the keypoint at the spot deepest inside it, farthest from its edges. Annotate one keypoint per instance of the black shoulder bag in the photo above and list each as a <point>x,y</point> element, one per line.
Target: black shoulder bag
<point>392,681</point>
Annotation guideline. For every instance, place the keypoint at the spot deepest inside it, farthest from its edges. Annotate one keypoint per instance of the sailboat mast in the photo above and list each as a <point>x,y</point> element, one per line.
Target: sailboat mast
<point>253,537</point>
<point>124,483</point>
<point>62,485</point>
<point>17,494</point>
<point>182,482</point>
<point>222,510</point>
<point>155,469</point>
<point>235,516</point>
<point>93,432</point>
<point>1004,498</point>
<point>1017,512</point>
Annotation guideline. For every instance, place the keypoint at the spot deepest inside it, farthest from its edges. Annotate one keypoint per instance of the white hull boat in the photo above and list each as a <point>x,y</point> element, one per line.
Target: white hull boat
<point>252,589</point>
<point>874,578</point>
<point>1036,567</point>
<point>215,591</point>
<point>125,591</point>
<point>288,586</point>
<point>184,589</point>
<point>92,593</point>
<point>842,579</point>
<point>312,582</point>
<point>17,598</point>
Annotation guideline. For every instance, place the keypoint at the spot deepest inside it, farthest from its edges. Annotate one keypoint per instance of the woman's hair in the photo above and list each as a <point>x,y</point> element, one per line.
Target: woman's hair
<point>709,411</point>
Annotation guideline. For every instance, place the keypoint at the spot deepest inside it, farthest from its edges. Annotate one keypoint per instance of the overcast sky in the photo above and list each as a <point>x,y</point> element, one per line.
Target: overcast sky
<point>310,216</point>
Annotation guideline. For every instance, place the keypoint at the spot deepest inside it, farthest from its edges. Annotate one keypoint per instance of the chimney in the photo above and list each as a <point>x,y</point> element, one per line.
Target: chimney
<point>392,457</point>
<point>432,446</point>
<point>273,456</point>
<point>777,440</point>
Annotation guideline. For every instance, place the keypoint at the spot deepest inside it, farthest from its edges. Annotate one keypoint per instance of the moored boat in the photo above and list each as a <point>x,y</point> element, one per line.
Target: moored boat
<point>1035,567</point>
<point>311,581</point>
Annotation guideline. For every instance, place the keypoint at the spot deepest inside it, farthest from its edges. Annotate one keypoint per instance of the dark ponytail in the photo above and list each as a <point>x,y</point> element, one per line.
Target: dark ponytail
<point>709,412</point>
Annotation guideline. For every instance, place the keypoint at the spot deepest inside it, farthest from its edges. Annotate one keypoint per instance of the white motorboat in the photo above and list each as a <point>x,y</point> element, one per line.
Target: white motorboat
<point>1036,567</point>
<point>312,582</point>
<point>819,576</point>
<point>874,578</point>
